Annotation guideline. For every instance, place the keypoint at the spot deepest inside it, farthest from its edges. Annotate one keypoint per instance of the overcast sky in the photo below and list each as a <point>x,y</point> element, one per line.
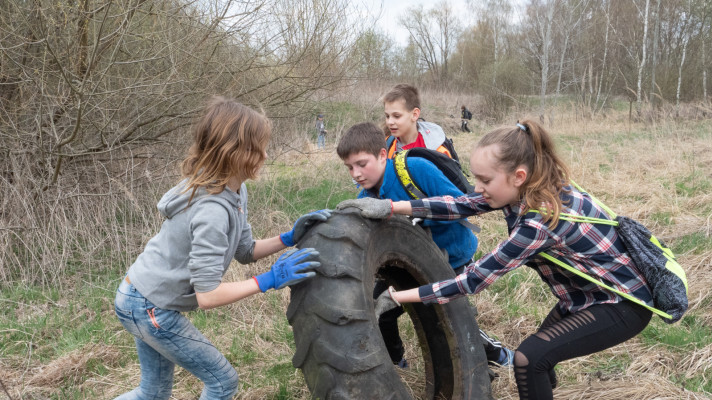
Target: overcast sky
<point>394,9</point>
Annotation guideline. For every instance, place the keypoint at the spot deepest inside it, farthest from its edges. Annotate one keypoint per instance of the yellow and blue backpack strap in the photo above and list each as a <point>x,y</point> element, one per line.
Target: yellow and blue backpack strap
<point>400,163</point>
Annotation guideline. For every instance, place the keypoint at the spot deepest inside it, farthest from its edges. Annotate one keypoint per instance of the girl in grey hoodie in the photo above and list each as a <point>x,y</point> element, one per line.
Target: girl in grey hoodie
<point>181,268</point>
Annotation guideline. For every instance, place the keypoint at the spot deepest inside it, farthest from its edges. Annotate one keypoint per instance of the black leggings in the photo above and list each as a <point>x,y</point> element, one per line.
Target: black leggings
<point>566,336</point>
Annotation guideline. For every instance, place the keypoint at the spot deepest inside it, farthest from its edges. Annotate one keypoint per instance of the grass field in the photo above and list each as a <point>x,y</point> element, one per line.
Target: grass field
<point>63,341</point>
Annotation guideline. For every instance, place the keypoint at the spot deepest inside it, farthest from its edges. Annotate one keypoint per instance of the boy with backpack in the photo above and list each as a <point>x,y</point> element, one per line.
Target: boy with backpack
<point>365,155</point>
<point>465,115</point>
<point>402,109</point>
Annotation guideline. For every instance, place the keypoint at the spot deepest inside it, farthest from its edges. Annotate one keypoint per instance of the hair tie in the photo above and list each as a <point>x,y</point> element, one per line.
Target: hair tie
<point>522,127</point>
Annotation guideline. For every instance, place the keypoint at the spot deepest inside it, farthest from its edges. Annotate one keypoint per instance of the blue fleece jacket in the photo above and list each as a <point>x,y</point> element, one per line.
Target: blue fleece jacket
<point>458,240</point>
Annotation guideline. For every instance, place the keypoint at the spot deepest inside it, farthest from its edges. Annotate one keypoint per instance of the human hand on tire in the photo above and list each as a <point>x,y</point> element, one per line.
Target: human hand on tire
<point>370,207</point>
<point>385,302</point>
<point>302,225</point>
<point>292,267</point>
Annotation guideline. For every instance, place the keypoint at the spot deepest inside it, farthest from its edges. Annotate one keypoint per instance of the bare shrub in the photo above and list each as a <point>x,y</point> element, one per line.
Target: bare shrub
<point>94,97</point>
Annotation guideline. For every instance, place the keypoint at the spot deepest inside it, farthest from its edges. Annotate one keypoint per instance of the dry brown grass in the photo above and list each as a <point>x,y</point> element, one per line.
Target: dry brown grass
<point>631,167</point>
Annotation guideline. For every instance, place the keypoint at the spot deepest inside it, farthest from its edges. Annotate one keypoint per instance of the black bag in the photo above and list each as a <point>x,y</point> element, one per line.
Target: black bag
<point>468,114</point>
<point>448,166</point>
<point>448,144</point>
<point>657,264</point>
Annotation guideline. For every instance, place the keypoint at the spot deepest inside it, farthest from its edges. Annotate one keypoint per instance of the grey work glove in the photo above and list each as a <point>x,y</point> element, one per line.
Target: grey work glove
<point>385,302</point>
<point>370,207</point>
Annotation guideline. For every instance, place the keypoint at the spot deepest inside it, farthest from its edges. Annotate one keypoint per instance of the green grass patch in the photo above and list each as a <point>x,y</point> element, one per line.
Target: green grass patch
<point>694,184</point>
<point>694,243</point>
<point>663,218</point>
<point>295,197</point>
<point>604,364</point>
<point>691,332</point>
<point>698,383</point>
<point>49,324</point>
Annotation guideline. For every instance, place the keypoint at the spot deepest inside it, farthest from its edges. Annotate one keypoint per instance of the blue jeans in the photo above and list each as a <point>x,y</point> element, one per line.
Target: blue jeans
<point>320,141</point>
<point>165,338</point>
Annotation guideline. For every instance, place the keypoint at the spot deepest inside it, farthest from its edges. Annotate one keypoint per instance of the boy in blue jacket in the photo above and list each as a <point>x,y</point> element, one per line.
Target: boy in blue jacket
<point>364,153</point>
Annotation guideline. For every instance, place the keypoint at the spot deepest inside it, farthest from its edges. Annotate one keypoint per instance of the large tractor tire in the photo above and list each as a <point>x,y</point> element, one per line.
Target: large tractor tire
<point>339,346</point>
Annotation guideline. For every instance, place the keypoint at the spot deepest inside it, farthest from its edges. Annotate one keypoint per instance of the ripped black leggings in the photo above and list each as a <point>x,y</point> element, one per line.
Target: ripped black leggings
<point>566,336</point>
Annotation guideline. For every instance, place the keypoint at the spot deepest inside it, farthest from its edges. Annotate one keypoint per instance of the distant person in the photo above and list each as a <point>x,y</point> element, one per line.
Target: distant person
<point>465,116</point>
<point>363,152</point>
<point>519,172</point>
<point>182,267</point>
<point>321,131</point>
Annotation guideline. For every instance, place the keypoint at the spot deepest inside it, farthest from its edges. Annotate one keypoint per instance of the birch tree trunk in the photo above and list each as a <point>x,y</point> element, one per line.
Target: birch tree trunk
<point>685,40</point>
<point>656,38</point>
<point>704,71</point>
<point>641,61</point>
<point>605,52</point>
<point>545,32</point>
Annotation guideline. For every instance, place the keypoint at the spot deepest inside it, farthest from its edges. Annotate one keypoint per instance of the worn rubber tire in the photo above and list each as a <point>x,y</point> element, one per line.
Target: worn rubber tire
<point>339,347</point>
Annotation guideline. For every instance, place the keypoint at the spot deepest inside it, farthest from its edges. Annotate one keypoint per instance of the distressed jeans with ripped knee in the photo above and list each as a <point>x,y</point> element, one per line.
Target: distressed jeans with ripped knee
<point>165,338</point>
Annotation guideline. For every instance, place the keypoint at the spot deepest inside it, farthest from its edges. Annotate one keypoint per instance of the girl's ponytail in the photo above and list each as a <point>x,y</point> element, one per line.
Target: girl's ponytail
<point>547,177</point>
<point>530,145</point>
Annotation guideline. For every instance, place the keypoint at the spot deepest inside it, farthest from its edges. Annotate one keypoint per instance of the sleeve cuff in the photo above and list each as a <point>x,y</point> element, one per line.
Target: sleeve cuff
<point>418,208</point>
<point>426,294</point>
<point>258,283</point>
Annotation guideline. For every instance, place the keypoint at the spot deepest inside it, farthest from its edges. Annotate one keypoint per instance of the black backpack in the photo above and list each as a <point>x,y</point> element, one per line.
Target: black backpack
<point>448,166</point>
<point>468,114</point>
<point>449,145</point>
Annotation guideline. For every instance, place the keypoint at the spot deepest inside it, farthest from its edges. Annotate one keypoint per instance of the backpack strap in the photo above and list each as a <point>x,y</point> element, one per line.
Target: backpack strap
<point>612,222</point>
<point>595,200</point>
<point>400,163</point>
<point>599,283</point>
<point>391,146</point>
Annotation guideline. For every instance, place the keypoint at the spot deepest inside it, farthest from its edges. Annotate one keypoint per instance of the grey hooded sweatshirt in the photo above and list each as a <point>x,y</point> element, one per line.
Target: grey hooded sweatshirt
<point>432,133</point>
<point>194,247</point>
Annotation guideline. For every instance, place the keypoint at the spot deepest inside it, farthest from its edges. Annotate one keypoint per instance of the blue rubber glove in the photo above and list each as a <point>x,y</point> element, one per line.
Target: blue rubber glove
<point>289,269</point>
<point>302,225</point>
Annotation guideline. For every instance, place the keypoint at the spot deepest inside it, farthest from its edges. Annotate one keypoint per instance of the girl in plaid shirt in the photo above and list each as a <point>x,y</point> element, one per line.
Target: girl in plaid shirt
<point>517,171</point>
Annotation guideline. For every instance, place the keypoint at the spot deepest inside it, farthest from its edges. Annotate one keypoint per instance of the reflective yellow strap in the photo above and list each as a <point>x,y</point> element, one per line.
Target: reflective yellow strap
<point>599,283</point>
<point>583,218</point>
<point>610,212</point>
<point>404,176</point>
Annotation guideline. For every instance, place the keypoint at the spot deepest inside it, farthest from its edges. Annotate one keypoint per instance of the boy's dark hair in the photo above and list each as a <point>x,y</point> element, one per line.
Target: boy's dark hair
<point>406,92</point>
<point>365,136</point>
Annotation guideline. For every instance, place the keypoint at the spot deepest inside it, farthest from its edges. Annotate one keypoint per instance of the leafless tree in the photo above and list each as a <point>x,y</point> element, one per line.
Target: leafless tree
<point>539,40</point>
<point>641,60</point>
<point>432,33</point>
<point>87,84</point>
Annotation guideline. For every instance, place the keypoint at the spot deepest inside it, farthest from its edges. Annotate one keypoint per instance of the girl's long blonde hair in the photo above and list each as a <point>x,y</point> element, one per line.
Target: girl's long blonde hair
<point>528,144</point>
<point>229,141</point>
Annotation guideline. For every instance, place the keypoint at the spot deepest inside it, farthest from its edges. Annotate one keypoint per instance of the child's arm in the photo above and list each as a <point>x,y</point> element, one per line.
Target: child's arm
<point>292,267</point>
<point>267,247</point>
<point>227,293</point>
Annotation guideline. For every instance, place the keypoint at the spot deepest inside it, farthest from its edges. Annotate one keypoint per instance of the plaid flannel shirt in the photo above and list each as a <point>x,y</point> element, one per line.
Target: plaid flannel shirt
<point>594,249</point>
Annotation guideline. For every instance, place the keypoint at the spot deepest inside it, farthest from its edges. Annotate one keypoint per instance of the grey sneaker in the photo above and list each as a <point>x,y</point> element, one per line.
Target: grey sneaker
<point>506,358</point>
